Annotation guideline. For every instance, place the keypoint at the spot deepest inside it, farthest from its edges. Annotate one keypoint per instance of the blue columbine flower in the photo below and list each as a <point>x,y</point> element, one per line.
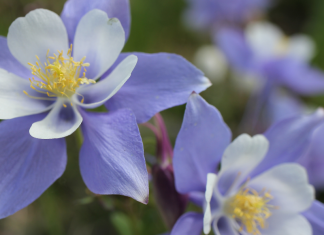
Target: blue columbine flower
<point>47,85</point>
<point>265,53</point>
<point>211,14</point>
<point>266,58</point>
<point>259,188</point>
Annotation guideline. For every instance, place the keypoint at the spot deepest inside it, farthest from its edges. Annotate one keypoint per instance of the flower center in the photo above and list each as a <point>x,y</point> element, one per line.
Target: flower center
<point>61,78</point>
<point>250,209</point>
<point>282,46</point>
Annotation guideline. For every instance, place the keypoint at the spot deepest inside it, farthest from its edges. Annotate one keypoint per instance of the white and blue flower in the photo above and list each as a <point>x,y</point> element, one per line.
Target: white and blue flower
<point>259,189</point>
<point>47,86</point>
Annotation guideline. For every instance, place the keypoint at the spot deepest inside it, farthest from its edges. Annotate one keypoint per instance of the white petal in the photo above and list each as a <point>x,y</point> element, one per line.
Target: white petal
<point>39,31</point>
<point>211,182</point>
<point>97,94</point>
<point>13,102</point>
<point>289,186</point>
<point>301,47</point>
<point>59,123</point>
<point>241,157</point>
<point>207,219</point>
<point>100,39</point>
<point>264,38</point>
<point>287,224</point>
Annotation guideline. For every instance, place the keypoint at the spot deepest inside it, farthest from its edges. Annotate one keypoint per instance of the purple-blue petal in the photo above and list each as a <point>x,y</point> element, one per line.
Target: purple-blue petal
<point>224,226</point>
<point>289,140</point>
<point>295,75</point>
<point>188,224</point>
<point>28,166</point>
<point>198,198</point>
<point>283,105</point>
<point>236,49</point>
<point>313,161</point>
<point>74,10</point>
<point>200,145</point>
<point>112,156</point>
<point>204,14</point>
<point>9,63</point>
<point>315,215</point>
<point>158,82</point>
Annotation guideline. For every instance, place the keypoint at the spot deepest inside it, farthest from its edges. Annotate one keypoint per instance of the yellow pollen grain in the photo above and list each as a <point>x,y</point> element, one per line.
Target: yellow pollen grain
<point>250,209</point>
<point>59,78</point>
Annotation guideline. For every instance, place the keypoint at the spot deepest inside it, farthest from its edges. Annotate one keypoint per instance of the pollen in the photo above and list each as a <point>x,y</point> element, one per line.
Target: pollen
<point>58,77</point>
<point>250,209</point>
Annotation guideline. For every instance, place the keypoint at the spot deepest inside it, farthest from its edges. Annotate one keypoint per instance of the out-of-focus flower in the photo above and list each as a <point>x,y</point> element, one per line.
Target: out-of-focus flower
<point>268,55</point>
<point>212,62</point>
<point>52,104</point>
<point>260,172</point>
<point>263,59</point>
<point>170,203</point>
<point>211,14</point>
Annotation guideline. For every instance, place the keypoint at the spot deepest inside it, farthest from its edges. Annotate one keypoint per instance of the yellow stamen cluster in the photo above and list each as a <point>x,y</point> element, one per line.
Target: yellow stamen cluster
<point>60,78</point>
<point>250,209</point>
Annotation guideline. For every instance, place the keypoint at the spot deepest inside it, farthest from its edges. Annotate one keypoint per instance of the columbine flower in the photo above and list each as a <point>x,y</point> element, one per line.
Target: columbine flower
<point>270,57</point>
<point>46,85</point>
<point>266,59</point>
<point>60,79</point>
<point>259,188</point>
<point>263,204</point>
<point>210,14</point>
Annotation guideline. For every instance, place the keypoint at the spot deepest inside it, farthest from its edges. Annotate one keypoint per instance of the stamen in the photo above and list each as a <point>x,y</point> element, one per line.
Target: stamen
<point>38,98</point>
<point>250,209</point>
<point>61,78</point>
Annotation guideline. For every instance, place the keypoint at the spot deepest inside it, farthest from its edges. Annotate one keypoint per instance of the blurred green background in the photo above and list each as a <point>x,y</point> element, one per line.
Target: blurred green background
<point>67,207</point>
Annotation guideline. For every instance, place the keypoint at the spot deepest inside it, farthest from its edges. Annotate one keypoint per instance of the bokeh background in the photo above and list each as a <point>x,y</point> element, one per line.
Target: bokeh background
<point>67,207</point>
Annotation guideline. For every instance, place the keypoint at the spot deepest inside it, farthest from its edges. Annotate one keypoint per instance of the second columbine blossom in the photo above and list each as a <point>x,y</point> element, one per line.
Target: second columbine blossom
<point>265,204</point>
<point>259,188</point>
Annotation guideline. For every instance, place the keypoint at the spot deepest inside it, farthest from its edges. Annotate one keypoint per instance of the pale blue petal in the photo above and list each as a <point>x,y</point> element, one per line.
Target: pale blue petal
<point>112,156</point>
<point>224,226</point>
<point>236,49</point>
<point>158,82</point>
<point>74,10</point>
<point>315,215</point>
<point>283,105</point>
<point>28,166</point>
<point>313,161</point>
<point>189,224</point>
<point>289,140</point>
<point>199,146</point>
<point>295,75</point>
